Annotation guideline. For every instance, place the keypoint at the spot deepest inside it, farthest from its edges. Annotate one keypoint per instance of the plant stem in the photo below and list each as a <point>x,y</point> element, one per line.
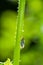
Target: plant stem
<point>21,5</point>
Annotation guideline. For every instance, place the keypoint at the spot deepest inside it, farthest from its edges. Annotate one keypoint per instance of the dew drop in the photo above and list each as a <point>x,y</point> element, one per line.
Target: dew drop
<point>22,43</point>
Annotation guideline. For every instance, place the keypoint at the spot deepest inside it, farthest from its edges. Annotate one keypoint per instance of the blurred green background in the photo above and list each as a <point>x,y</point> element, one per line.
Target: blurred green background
<point>32,54</point>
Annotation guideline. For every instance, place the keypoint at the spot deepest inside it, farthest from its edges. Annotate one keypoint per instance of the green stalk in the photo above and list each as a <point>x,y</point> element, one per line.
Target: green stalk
<point>21,5</point>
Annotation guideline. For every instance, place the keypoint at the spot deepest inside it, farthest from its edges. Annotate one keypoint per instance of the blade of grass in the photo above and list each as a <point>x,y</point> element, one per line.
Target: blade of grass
<point>21,5</point>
